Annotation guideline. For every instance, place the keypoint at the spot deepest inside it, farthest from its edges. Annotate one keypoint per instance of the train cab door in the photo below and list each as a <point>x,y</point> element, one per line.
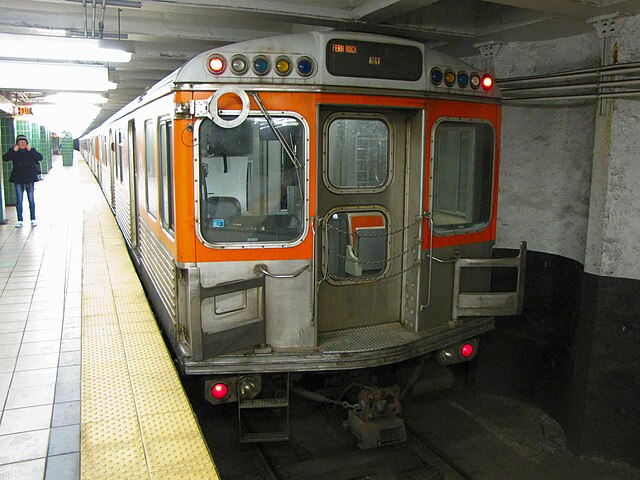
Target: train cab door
<point>361,241</point>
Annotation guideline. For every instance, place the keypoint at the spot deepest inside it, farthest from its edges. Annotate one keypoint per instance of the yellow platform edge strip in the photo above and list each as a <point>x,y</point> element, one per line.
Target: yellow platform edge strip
<point>136,421</point>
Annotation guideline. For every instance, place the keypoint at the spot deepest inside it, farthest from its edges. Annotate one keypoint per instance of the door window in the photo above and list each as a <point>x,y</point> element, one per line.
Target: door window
<point>357,245</point>
<point>358,157</point>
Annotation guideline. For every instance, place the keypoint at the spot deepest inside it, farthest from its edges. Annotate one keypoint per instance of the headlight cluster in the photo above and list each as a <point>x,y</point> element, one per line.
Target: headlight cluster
<point>261,65</point>
<point>460,78</point>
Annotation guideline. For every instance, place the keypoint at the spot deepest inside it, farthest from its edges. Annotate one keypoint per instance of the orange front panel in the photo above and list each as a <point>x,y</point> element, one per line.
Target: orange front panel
<point>436,110</point>
<point>191,249</point>
<point>303,104</point>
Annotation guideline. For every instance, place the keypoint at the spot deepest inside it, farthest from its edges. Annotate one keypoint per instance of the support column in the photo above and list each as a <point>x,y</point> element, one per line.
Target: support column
<point>66,148</point>
<point>604,415</point>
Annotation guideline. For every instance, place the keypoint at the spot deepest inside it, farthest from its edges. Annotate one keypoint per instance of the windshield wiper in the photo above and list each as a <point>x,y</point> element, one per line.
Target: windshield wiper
<point>287,148</point>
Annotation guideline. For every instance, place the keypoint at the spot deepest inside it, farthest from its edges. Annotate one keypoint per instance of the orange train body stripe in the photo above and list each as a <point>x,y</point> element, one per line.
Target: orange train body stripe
<point>189,249</point>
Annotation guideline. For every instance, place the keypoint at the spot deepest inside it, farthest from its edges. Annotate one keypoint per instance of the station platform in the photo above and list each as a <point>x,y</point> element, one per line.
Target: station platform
<point>87,387</point>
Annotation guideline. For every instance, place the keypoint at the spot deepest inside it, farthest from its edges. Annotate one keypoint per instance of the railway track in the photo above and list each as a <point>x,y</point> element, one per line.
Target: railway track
<point>416,460</point>
<point>319,448</point>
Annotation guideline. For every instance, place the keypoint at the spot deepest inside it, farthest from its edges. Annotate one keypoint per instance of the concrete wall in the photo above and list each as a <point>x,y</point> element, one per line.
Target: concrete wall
<point>569,186</point>
<point>545,179</point>
<point>568,175</point>
<point>625,191</point>
<point>546,155</point>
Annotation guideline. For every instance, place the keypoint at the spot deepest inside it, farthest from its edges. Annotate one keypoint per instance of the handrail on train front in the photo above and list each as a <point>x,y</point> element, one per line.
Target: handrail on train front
<point>488,304</point>
<point>262,269</point>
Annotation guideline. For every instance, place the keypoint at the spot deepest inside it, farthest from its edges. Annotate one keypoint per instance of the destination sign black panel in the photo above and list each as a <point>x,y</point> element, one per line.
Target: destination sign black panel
<point>355,58</point>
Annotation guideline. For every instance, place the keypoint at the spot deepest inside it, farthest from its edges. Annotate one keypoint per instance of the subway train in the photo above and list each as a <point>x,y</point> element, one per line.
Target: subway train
<point>315,202</point>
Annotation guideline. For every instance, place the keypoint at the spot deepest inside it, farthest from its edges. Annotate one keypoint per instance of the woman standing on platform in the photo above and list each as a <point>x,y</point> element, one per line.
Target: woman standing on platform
<point>26,168</point>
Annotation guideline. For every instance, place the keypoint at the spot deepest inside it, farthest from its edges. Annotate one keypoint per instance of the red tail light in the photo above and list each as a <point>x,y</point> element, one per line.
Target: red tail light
<point>466,350</point>
<point>216,64</point>
<point>487,82</point>
<point>219,390</point>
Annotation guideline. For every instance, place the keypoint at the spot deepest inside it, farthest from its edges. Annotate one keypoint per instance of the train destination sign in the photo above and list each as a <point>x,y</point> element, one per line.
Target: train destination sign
<point>356,58</point>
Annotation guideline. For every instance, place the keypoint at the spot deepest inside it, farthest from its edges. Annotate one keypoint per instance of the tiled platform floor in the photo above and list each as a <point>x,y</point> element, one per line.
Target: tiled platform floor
<point>40,316</point>
<point>46,417</point>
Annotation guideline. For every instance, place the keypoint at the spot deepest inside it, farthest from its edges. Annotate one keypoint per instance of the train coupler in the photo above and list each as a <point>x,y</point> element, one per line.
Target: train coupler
<point>377,422</point>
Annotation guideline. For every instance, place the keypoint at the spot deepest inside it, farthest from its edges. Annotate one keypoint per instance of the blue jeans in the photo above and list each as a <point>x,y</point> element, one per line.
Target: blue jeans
<point>20,189</point>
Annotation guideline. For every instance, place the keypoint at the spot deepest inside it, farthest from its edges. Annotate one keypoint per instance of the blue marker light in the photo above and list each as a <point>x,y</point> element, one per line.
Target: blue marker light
<point>305,66</point>
<point>463,79</point>
<point>436,76</point>
<point>261,65</point>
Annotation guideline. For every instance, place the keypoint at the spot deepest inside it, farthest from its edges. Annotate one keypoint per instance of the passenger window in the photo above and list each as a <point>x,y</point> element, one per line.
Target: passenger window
<point>120,155</point>
<point>463,175</point>
<point>251,190</point>
<point>151,174</point>
<point>357,154</point>
<point>166,174</point>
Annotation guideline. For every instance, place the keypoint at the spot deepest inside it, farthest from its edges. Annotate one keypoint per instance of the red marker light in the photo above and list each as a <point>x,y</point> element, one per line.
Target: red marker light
<point>219,390</point>
<point>216,64</point>
<point>466,350</point>
<point>487,82</point>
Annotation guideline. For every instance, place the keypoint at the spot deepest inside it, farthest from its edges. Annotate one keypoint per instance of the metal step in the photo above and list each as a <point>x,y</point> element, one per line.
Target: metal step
<point>264,437</point>
<point>264,403</point>
<point>280,428</point>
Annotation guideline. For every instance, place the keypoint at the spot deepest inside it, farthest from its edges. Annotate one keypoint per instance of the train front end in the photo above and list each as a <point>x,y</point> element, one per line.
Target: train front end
<point>336,207</point>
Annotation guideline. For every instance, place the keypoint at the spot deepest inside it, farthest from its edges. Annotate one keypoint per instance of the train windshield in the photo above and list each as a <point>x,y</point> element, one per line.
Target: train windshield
<point>463,175</point>
<point>251,190</point>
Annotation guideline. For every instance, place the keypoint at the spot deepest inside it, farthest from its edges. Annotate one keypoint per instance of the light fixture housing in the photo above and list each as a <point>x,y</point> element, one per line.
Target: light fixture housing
<point>63,77</point>
<point>34,47</point>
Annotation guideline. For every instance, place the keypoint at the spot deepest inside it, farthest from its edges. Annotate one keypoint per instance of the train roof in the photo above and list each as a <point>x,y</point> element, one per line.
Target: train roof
<point>331,59</point>
<point>341,59</point>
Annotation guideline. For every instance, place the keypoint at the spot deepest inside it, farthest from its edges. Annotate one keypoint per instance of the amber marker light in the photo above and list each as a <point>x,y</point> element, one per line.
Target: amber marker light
<point>283,66</point>
<point>449,78</point>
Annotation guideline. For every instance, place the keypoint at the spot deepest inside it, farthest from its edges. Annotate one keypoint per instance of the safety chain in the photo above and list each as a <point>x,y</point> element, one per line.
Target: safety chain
<point>384,260</point>
<point>372,278</point>
<point>363,235</point>
<point>368,279</point>
<point>344,404</point>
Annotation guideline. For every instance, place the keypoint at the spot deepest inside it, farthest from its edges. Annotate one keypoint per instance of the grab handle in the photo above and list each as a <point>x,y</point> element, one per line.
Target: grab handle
<point>262,269</point>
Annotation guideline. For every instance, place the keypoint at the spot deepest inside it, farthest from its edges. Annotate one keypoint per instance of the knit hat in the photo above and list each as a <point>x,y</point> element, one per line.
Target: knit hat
<point>22,137</point>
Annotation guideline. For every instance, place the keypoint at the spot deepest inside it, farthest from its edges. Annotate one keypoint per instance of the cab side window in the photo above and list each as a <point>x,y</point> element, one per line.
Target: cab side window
<point>462,175</point>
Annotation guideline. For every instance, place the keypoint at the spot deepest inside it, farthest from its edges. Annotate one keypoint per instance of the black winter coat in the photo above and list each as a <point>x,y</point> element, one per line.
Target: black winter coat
<point>26,165</point>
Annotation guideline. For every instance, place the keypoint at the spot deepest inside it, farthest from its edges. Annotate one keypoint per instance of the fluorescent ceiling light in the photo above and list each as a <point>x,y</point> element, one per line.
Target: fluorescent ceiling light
<point>63,48</point>
<point>65,118</point>
<point>76,98</point>
<point>54,76</point>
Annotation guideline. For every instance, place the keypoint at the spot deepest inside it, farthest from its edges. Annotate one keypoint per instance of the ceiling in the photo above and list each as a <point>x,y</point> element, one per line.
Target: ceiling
<point>166,33</point>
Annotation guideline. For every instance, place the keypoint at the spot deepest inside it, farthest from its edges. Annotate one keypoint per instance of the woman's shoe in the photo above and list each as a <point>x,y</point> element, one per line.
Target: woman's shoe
<point>33,223</point>
<point>19,225</point>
